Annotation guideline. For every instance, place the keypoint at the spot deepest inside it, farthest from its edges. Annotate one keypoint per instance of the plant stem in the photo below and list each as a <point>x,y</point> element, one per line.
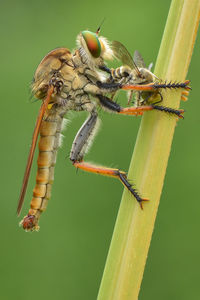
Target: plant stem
<point>133,230</point>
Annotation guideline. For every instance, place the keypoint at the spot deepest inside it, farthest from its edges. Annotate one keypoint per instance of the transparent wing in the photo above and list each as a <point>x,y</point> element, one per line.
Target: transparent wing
<point>122,54</point>
<point>150,66</point>
<point>138,59</point>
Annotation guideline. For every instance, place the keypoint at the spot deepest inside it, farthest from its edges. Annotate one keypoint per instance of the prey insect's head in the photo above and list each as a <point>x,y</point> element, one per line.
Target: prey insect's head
<point>147,75</point>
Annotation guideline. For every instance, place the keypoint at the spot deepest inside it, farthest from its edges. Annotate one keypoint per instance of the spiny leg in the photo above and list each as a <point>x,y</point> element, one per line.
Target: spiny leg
<point>80,145</point>
<point>155,86</point>
<point>111,172</point>
<point>152,87</point>
<point>138,110</point>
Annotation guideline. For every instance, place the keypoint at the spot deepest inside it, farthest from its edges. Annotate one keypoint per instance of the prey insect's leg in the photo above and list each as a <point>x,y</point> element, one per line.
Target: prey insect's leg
<point>138,110</point>
<point>80,145</point>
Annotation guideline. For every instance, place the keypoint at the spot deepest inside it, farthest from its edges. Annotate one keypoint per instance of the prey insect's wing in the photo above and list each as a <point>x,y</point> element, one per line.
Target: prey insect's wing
<point>32,149</point>
<point>138,59</point>
<point>122,54</point>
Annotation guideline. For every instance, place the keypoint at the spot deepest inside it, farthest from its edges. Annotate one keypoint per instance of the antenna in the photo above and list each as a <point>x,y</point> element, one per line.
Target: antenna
<point>99,28</point>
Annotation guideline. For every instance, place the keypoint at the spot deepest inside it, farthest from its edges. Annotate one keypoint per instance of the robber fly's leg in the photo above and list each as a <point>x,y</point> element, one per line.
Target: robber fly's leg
<point>112,106</point>
<point>152,87</point>
<point>116,173</point>
<point>84,137</point>
<point>105,69</point>
<point>177,112</point>
<point>80,146</point>
<point>115,107</point>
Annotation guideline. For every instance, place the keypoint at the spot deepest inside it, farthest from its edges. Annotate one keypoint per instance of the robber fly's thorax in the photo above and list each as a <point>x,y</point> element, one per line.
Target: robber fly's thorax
<point>69,74</point>
<point>51,70</point>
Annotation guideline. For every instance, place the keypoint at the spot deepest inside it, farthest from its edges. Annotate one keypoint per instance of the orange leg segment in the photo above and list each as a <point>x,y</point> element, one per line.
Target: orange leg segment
<point>155,86</point>
<point>135,110</point>
<point>121,175</point>
<point>138,87</point>
<point>140,109</point>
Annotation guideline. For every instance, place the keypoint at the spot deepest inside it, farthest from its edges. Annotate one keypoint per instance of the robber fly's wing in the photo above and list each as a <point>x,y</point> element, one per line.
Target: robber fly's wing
<point>32,149</point>
<point>122,54</point>
<point>138,59</point>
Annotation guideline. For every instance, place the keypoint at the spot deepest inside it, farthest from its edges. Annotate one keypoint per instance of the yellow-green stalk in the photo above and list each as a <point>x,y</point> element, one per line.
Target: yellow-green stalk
<point>133,230</point>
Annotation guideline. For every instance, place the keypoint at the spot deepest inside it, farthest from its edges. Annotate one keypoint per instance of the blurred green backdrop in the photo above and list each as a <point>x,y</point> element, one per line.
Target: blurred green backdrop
<point>65,260</point>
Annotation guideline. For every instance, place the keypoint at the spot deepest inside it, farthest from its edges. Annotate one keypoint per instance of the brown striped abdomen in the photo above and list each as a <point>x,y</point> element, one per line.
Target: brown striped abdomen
<point>48,145</point>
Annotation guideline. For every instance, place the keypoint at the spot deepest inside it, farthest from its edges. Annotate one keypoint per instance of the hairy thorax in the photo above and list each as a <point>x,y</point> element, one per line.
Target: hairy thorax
<point>71,78</point>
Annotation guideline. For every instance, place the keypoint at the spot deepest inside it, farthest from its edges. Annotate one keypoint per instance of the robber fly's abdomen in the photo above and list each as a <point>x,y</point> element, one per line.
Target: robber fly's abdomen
<point>48,145</point>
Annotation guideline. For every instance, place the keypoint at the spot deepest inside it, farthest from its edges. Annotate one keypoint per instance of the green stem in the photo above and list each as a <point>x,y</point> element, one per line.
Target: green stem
<point>133,230</point>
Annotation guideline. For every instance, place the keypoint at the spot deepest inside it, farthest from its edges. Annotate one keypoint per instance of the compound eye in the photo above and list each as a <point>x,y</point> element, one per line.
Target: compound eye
<point>92,42</point>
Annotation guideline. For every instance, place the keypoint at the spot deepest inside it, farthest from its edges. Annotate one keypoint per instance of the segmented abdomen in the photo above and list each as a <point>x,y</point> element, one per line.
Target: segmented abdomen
<point>48,145</point>
<point>120,73</point>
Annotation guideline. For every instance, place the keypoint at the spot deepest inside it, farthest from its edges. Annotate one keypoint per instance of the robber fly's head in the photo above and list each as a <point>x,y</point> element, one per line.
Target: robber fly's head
<point>93,47</point>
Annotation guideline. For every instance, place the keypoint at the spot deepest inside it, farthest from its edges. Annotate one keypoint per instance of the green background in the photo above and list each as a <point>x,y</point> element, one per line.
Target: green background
<point>65,260</point>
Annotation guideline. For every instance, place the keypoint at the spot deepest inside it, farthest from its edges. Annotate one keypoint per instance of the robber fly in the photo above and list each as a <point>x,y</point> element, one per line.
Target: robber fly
<point>77,81</point>
<point>134,71</point>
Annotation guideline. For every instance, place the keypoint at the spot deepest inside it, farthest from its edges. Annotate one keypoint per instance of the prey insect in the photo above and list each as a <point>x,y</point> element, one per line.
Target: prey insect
<point>77,81</point>
<point>134,71</point>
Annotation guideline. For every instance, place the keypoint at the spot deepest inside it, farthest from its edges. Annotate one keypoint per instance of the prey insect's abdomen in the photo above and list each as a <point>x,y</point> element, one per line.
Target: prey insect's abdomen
<point>48,145</point>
